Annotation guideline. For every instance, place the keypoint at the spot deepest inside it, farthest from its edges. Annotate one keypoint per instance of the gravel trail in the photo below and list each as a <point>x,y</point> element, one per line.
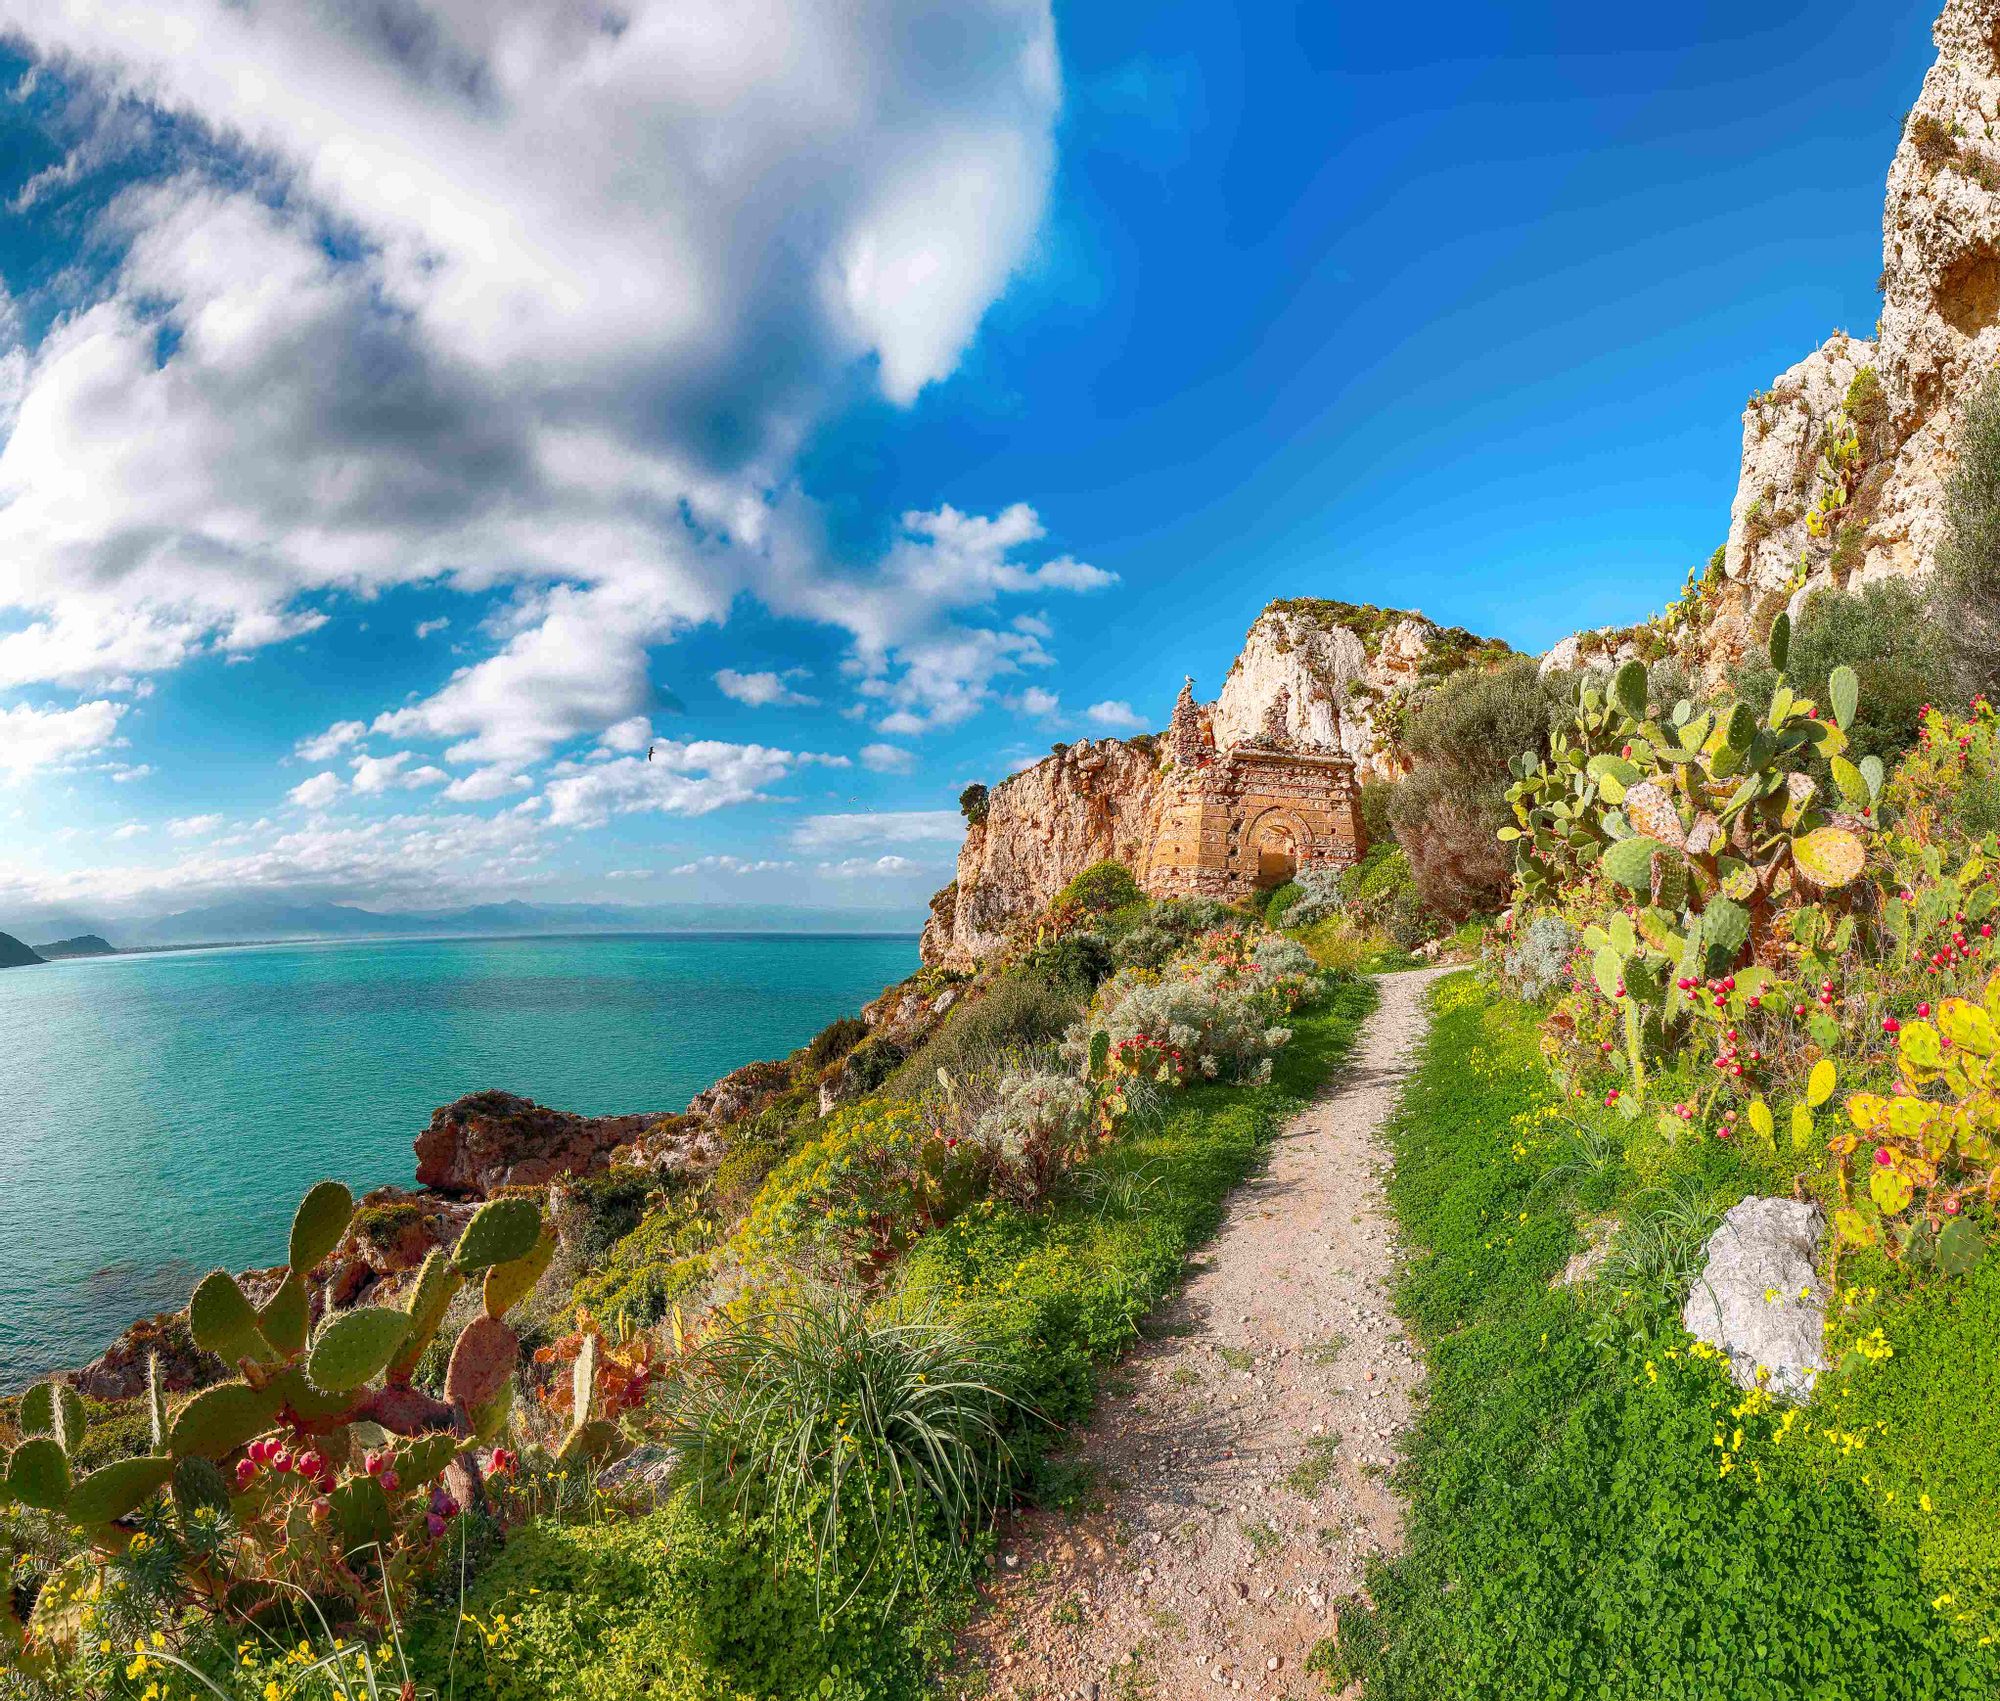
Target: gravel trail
<point>1239,1454</point>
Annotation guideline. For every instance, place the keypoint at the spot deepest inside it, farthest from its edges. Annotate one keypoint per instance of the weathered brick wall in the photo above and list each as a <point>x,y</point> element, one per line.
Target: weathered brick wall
<point>1234,823</point>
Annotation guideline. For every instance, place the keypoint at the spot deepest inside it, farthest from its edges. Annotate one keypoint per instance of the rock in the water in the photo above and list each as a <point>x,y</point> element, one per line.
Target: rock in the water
<point>491,1140</point>
<point>1758,1299</point>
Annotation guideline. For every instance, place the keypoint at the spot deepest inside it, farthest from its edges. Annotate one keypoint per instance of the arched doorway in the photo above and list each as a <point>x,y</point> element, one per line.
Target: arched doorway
<point>1276,844</point>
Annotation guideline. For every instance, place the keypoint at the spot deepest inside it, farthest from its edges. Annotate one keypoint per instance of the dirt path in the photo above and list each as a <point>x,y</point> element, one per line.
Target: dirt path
<point>1240,1451</point>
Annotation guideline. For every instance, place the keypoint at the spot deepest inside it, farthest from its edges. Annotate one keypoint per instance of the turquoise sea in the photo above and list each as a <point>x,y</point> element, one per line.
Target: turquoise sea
<point>161,1114</point>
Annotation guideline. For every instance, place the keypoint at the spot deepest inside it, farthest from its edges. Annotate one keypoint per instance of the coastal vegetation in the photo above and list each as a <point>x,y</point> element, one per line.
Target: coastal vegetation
<point>738,1432</point>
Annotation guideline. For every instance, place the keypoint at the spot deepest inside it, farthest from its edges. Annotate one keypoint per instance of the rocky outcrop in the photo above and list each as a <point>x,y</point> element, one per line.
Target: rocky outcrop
<point>1042,827</point>
<point>1318,685</point>
<point>486,1141</point>
<point>1758,1300</point>
<point>121,1371</point>
<point>1342,672</point>
<point>1846,456</point>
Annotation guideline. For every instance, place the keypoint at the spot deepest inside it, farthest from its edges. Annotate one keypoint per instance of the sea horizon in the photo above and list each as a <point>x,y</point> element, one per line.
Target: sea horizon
<point>173,1104</point>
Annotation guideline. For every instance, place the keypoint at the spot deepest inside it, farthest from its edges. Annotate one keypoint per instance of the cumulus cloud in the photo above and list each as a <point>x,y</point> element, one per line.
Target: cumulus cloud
<point>763,690</point>
<point>485,785</point>
<point>890,827</point>
<point>129,829</point>
<point>1037,702</point>
<point>887,759</point>
<point>194,826</point>
<point>886,867</point>
<point>374,774</point>
<point>1115,715</point>
<point>317,792</point>
<point>517,297</point>
<point>399,859</point>
<point>33,738</point>
<point>694,778</point>
<point>734,865</point>
<point>325,746</point>
<point>425,628</point>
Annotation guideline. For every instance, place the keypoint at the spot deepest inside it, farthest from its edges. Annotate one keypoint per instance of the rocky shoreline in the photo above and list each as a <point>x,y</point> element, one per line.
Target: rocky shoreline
<point>493,1142</point>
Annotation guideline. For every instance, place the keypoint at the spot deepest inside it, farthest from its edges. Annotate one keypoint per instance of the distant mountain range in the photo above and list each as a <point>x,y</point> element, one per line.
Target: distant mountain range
<point>13,954</point>
<point>238,920</point>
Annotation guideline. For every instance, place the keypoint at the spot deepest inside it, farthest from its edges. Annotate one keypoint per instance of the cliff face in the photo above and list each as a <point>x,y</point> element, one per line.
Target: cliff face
<point>1344,672</point>
<point>1845,457</point>
<point>1314,677</point>
<point>1044,826</point>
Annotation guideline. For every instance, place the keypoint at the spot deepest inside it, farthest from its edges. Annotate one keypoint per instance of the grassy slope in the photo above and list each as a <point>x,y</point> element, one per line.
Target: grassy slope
<point>1594,1513</point>
<point>673,1607</point>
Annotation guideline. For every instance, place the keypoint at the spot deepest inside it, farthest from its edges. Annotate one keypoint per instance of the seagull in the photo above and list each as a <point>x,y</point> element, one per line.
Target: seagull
<point>649,753</point>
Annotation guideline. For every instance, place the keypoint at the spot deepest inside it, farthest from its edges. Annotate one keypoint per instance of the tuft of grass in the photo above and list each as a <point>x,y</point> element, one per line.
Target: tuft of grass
<point>1310,1474</point>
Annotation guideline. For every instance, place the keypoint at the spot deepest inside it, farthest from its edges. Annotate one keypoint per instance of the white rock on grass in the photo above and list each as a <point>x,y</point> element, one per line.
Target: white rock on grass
<point>1758,1299</point>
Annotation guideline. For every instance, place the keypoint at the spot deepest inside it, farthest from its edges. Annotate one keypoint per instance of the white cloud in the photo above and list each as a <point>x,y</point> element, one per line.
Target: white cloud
<point>129,829</point>
<point>890,827</point>
<point>317,792</point>
<point>627,735</point>
<point>763,690</point>
<point>1116,715</point>
<point>696,778</point>
<point>734,865</point>
<point>323,747</point>
<point>887,758</point>
<point>516,297</point>
<point>916,659</point>
<point>124,776</point>
<point>194,826</point>
<point>45,738</point>
<point>377,773</point>
<point>483,785</point>
<point>426,627</point>
<point>1037,702</point>
<point>400,860</point>
<point>873,868</point>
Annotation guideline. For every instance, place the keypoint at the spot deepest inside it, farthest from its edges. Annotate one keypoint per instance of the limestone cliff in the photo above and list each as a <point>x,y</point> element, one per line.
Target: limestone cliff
<point>1347,671</point>
<point>1310,705</point>
<point>1042,827</point>
<point>1845,457</point>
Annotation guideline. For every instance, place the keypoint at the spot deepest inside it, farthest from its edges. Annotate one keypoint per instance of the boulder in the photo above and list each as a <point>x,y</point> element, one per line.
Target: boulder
<point>486,1141</point>
<point>1758,1300</point>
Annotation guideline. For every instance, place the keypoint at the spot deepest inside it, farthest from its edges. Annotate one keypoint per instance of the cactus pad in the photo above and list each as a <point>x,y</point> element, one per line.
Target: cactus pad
<point>321,1219</point>
<point>500,1231</point>
<point>1843,690</point>
<point>1959,1247</point>
<point>426,1458</point>
<point>38,1474</point>
<point>1829,857</point>
<point>481,1363</point>
<point>113,1490</point>
<point>197,1484</point>
<point>356,1347</point>
<point>1629,862</point>
<point>219,1420</point>
<point>285,1315</point>
<point>489,1422</point>
<point>362,1511</point>
<point>508,1284</point>
<point>430,1296</point>
<point>222,1321</point>
<point>54,1409</point>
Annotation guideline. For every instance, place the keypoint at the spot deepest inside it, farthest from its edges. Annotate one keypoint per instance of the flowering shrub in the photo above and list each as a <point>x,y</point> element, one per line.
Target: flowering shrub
<point>1039,1121</point>
<point>1212,1013</point>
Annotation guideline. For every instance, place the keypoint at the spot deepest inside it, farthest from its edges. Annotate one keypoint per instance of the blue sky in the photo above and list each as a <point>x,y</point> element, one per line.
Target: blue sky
<point>409,422</point>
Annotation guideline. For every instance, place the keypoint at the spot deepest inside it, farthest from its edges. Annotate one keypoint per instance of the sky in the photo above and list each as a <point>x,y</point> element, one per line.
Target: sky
<point>414,413</point>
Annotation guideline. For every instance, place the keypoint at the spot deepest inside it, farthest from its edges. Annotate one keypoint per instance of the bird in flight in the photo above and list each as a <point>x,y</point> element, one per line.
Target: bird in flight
<point>649,753</point>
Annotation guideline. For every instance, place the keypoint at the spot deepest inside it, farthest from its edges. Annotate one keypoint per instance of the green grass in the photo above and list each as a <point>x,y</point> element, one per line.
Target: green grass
<point>1575,1528</point>
<point>682,1604</point>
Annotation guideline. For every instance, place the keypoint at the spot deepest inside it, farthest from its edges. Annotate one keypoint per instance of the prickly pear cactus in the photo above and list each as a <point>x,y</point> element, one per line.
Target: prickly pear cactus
<point>300,1394</point>
<point>1707,827</point>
